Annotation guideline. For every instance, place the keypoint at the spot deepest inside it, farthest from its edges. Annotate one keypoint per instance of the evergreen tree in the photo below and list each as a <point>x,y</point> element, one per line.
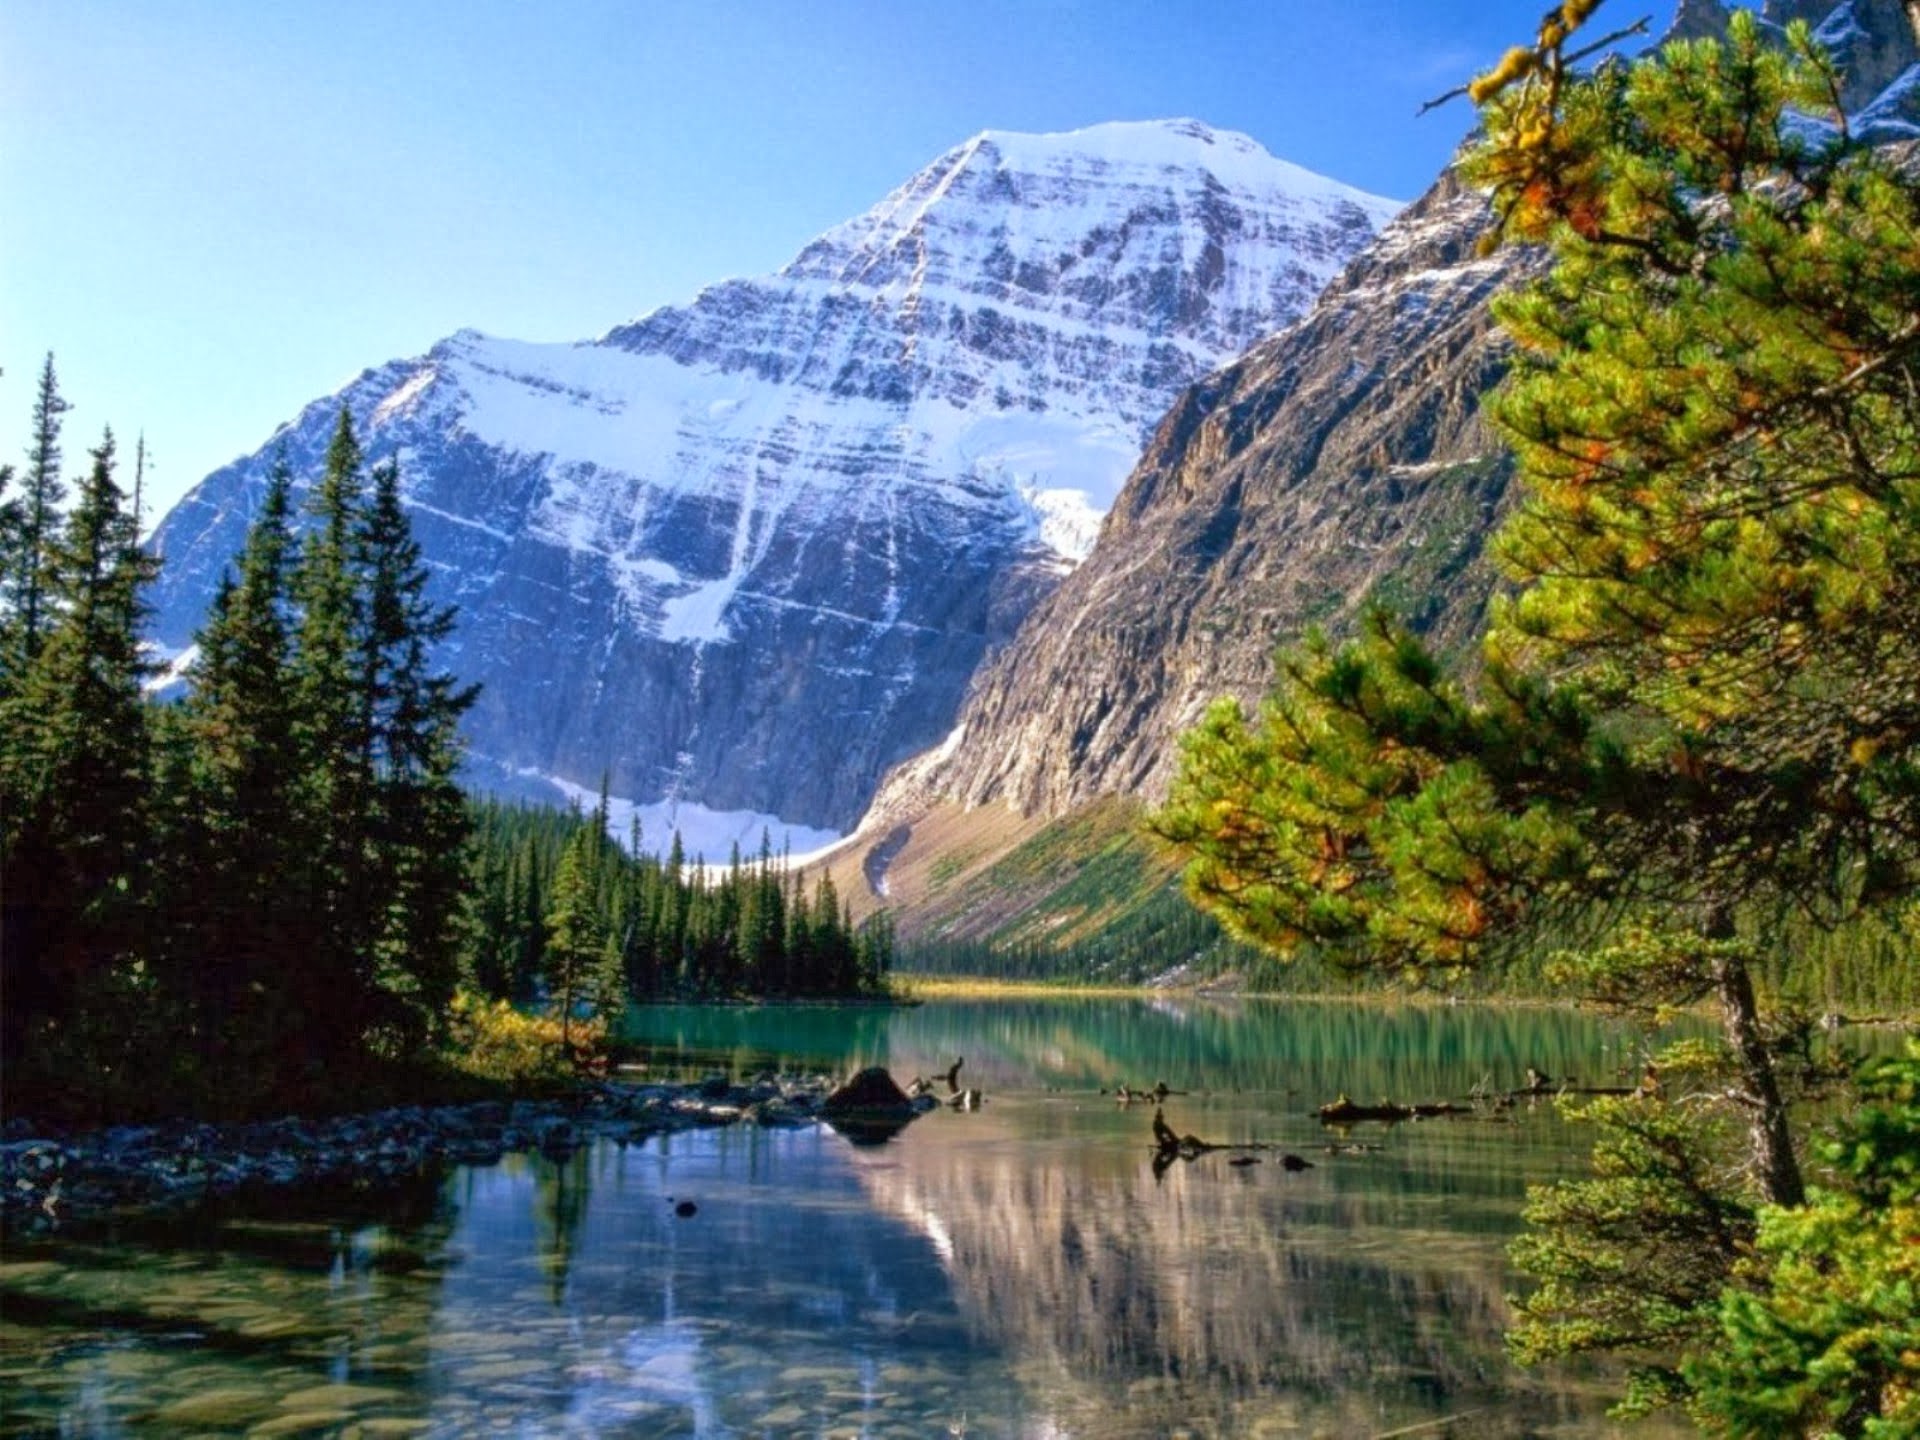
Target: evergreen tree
<point>240,723</point>
<point>13,530</point>
<point>30,555</point>
<point>74,773</point>
<point>1831,1344</point>
<point>332,689</point>
<point>582,967</point>
<point>1697,715</point>
<point>418,821</point>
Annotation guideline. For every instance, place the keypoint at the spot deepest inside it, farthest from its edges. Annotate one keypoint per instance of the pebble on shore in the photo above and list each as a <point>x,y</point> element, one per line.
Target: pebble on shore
<point>50,1179</point>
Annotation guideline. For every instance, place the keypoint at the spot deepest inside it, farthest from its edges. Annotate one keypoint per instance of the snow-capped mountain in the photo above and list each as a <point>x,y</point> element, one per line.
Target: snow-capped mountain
<point>1340,462</point>
<point>741,555</point>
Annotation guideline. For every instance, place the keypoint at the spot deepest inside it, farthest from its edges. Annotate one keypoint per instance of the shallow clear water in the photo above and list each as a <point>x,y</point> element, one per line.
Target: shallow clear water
<point>1019,1271</point>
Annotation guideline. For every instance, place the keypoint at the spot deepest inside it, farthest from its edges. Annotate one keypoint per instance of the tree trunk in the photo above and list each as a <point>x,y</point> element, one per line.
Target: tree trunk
<point>1773,1154</point>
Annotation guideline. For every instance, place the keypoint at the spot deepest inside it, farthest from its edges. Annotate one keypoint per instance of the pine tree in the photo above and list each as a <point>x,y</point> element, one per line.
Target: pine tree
<point>13,531</point>
<point>418,827</point>
<point>582,967</point>
<point>333,692</point>
<point>31,555</point>
<point>1831,1345</point>
<point>75,771</point>
<point>246,772</point>
<point>1696,718</point>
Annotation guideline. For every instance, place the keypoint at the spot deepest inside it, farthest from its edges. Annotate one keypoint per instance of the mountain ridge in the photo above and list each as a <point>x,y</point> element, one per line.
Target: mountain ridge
<point>1338,463</point>
<point>742,555</point>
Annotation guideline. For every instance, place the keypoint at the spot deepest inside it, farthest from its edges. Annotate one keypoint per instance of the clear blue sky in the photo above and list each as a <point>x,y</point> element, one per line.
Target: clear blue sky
<point>218,210</point>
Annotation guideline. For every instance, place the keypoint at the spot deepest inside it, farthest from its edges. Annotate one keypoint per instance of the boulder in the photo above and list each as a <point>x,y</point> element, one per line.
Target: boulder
<point>869,1108</point>
<point>872,1090</point>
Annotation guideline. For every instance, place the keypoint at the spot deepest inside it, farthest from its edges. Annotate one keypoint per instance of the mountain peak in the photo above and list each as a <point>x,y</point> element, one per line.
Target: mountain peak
<point>1179,143</point>
<point>746,552</point>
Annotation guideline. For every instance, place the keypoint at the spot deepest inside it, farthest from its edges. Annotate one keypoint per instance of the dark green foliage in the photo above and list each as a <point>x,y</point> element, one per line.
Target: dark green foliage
<point>556,896</point>
<point>33,528</point>
<point>236,865</point>
<point>583,968</point>
<point>418,816</point>
<point>74,771</point>
<point>333,689</point>
<point>252,897</point>
<point>1821,1334</point>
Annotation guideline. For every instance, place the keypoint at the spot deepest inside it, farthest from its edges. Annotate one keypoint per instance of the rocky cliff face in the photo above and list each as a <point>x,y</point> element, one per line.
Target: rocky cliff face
<point>743,554</point>
<point>1340,462</point>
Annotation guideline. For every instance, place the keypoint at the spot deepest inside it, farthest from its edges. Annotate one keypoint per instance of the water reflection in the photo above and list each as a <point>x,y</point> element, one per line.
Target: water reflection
<point>1018,1271</point>
<point>1311,1049</point>
<point>783,1303</point>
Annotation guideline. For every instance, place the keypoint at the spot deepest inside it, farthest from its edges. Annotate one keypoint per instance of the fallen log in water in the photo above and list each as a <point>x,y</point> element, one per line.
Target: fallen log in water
<point>1170,1146</point>
<point>1345,1112</point>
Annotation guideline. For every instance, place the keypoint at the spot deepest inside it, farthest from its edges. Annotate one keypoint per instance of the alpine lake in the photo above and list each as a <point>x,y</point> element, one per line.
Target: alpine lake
<point>1022,1269</point>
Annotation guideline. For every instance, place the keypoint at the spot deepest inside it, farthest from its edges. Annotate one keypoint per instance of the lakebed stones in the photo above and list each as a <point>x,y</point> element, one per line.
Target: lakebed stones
<point>52,1179</point>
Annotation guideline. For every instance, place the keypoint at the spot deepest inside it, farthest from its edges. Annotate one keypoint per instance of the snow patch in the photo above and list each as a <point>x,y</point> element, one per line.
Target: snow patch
<point>402,400</point>
<point>176,666</point>
<point>704,833</point>
<point>698,617</point>
<point>1882,118</point>
<point>1233,158</point>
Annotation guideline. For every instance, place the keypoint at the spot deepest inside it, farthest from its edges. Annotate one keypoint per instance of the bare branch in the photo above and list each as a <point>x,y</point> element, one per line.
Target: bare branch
<point>1639,27</point>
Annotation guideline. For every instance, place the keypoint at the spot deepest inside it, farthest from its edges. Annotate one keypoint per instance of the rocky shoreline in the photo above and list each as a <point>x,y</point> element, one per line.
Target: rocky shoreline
<point>53,1180</point>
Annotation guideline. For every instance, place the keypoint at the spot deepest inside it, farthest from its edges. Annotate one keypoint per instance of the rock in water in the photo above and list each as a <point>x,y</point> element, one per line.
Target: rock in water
<point>872,1091</point>
<point>869,1108</point>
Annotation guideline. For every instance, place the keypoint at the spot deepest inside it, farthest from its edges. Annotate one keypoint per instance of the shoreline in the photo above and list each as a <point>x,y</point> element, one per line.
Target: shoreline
<point>53,1178</point>
<point>960,987</point>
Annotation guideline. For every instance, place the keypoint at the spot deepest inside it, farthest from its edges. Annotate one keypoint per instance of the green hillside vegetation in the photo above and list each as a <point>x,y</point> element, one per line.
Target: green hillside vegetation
<point>1097,898</point>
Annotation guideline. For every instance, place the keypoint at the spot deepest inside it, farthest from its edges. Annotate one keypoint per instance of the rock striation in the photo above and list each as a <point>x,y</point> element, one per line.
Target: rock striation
<point>744,554</point>
<point>1342,462</point>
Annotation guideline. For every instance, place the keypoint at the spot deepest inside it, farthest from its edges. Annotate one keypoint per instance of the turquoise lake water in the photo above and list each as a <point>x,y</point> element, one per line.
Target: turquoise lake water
<point>1020,1270</point>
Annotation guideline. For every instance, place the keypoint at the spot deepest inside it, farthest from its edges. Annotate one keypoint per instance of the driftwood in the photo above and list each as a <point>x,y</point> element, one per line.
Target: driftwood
<point>1126,1094</point>
<point>921,1085</point>
<point>1540,1085</point>
<point>1169,1146</point>
<point>1344,1112</point>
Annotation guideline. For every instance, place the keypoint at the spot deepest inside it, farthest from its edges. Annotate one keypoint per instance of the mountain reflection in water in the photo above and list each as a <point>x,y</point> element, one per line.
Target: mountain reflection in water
<point>1019,1271</point>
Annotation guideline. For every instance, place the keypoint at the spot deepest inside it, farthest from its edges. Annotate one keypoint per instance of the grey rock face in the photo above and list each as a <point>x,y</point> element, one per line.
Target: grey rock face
<point>747,552</point>
<point>1872,41</point>
<point>1343,460</point>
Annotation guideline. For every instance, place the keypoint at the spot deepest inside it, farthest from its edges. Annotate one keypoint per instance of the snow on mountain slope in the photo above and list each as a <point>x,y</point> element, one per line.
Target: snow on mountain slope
<point>747,552</point>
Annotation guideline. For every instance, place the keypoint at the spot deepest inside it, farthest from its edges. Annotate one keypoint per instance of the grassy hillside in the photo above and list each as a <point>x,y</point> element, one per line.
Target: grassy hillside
<point>1090,898</point>
<point>1093,898</point>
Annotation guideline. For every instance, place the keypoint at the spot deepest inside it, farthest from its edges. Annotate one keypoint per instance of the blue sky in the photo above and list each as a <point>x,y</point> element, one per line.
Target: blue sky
<point>218,211</point>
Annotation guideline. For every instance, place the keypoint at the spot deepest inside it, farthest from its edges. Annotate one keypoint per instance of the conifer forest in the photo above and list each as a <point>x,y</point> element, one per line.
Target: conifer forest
<point>268,893</point>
